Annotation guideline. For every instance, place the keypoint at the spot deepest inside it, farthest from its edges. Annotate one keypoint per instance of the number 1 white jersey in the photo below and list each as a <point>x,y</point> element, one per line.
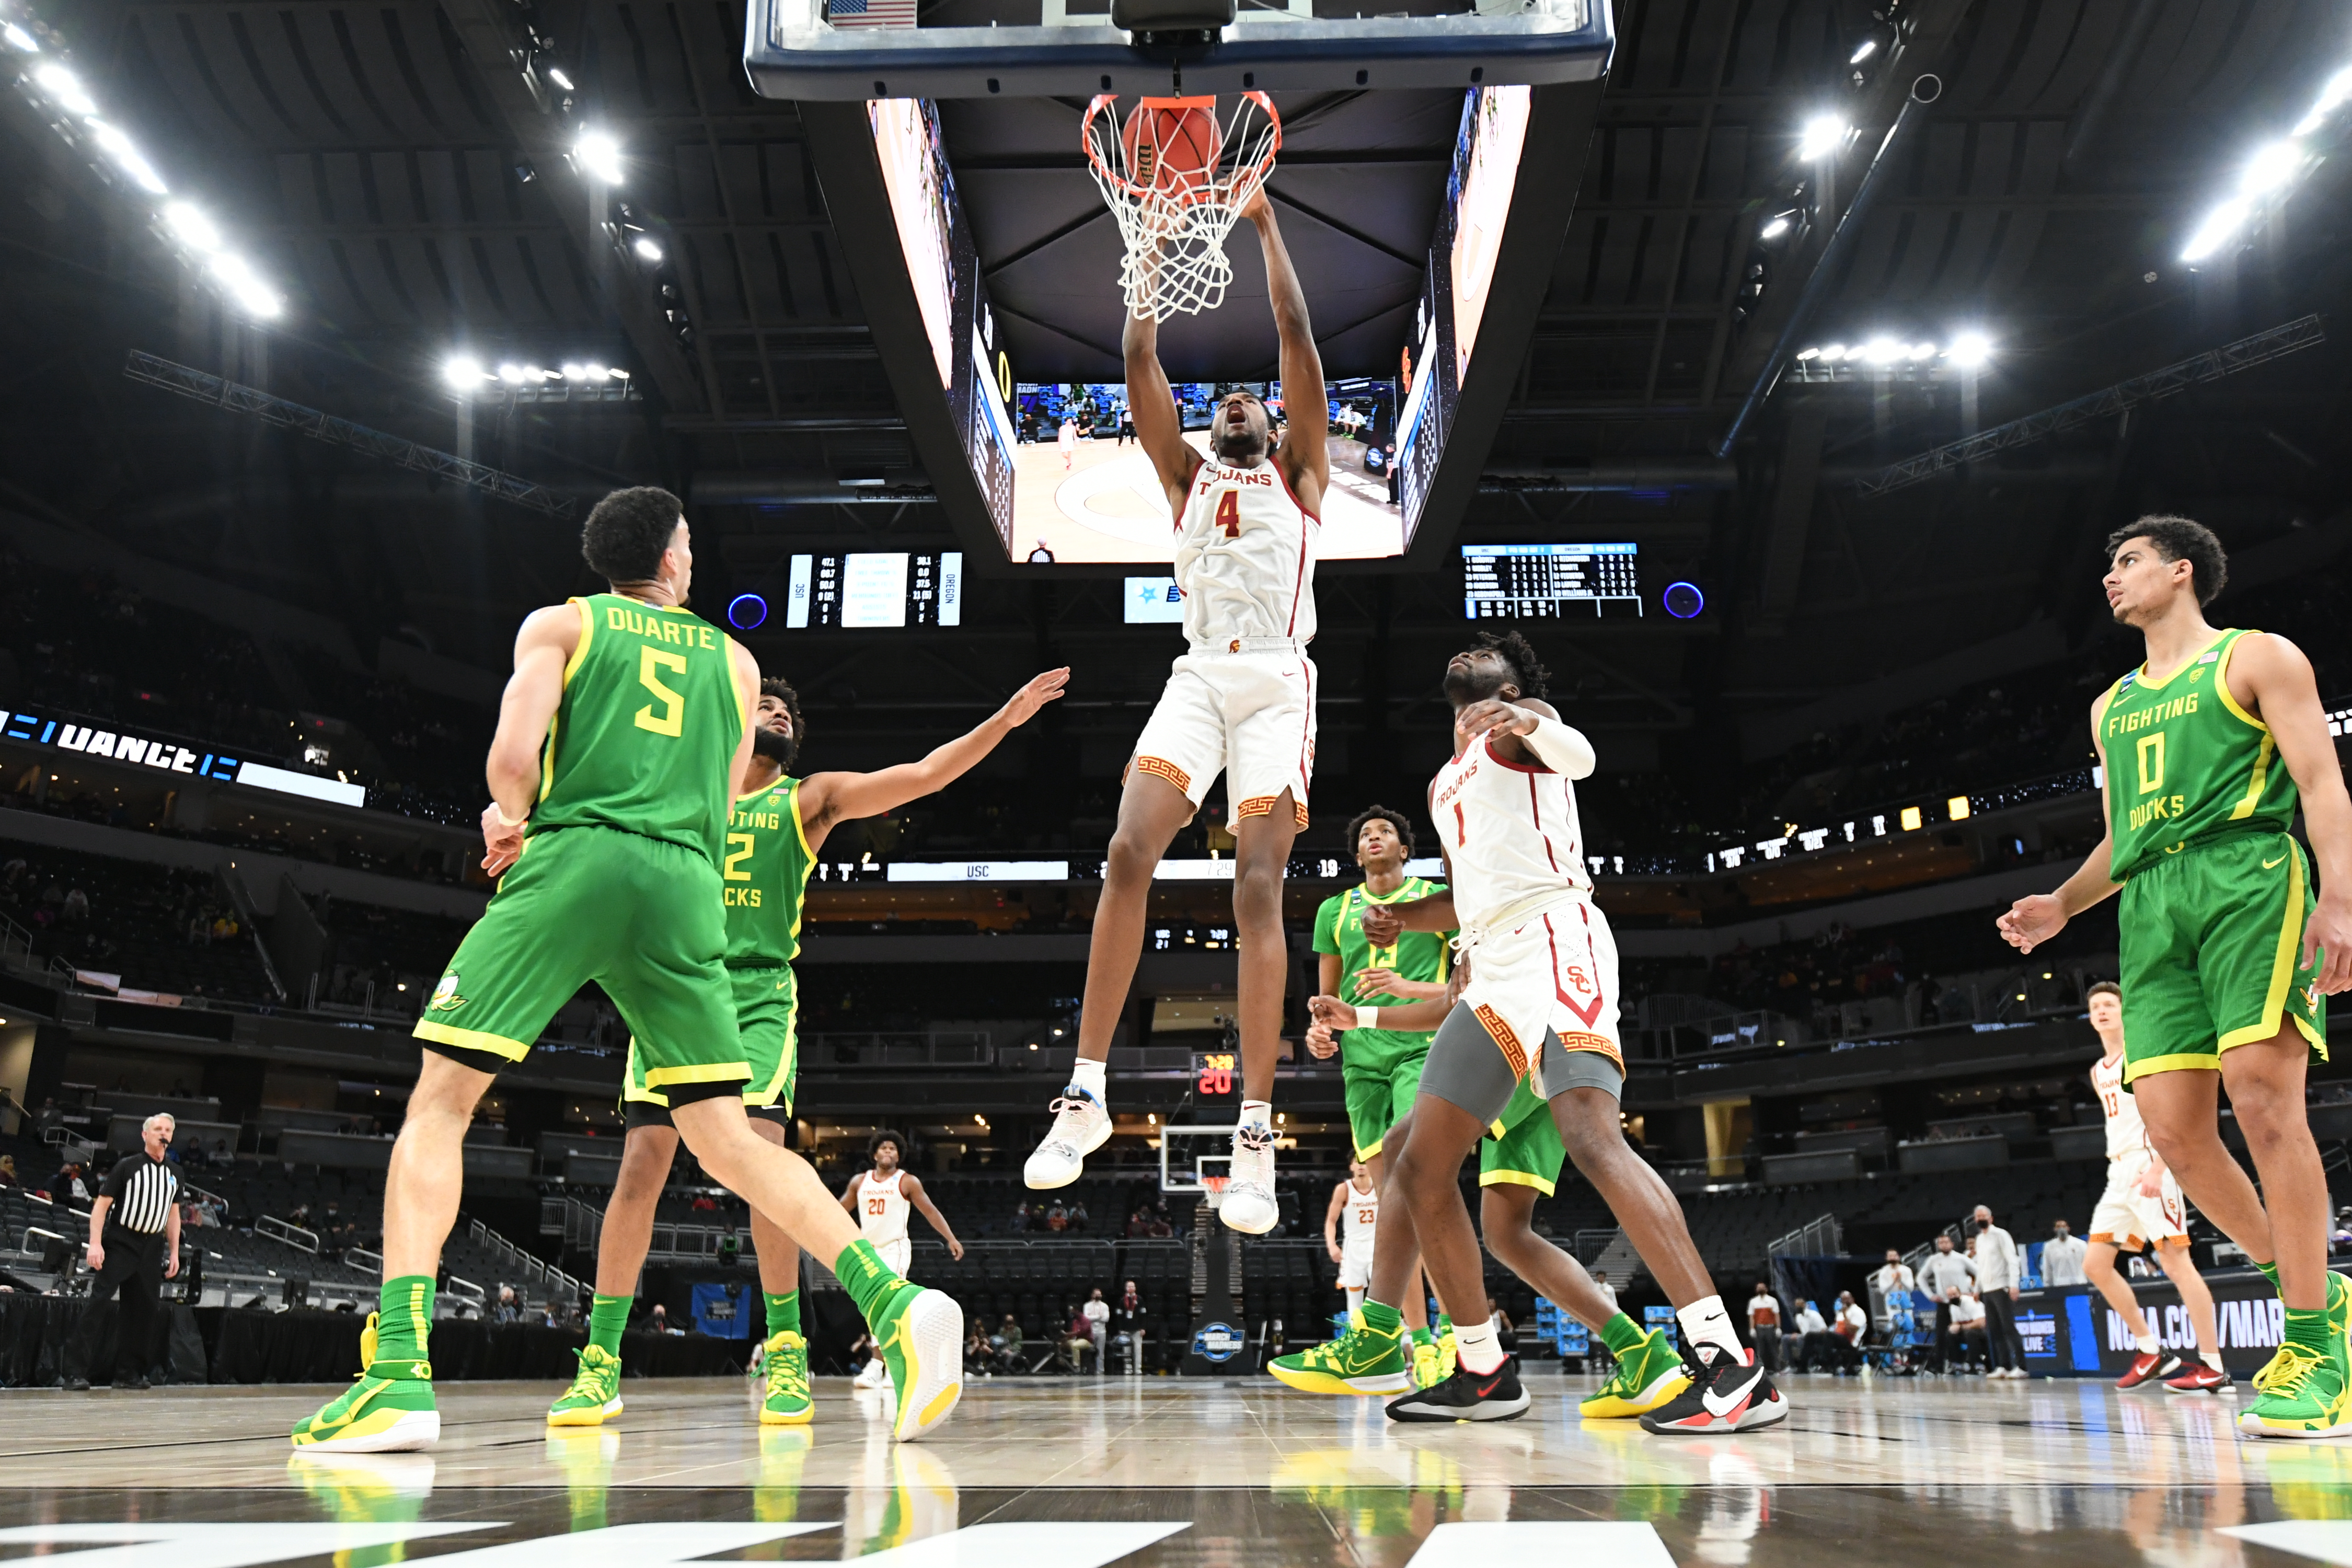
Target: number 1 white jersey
<point>1511,832</point>
<point>1245,557</point>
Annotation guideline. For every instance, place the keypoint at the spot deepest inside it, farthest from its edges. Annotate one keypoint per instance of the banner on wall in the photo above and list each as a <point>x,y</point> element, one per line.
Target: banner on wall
<point>2071,1331</point>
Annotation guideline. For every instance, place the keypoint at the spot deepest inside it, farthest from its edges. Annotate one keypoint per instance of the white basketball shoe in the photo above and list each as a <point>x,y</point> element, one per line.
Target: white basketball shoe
<point>1249,1204</point>
<point>1081,1126</point>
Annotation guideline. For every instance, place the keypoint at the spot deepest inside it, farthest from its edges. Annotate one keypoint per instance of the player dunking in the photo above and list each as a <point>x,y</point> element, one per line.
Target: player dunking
<point>879,1200</point>
<point>774,834</point>
<point>2142,1203</point>
<point>622,738</point>
<point>2206,747</point>
<point>1239,700</point>
<point>1540,1009</point>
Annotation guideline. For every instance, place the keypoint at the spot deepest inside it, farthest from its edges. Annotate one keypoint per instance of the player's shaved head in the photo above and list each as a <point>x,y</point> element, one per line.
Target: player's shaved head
<point>1242,428</point>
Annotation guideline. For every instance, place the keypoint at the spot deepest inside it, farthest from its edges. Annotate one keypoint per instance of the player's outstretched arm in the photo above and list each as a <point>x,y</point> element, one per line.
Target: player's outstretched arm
<point>830,799</point>
<point>2286,698</point>
<point>1151,402</point>
<point>2037,916</point>
<point>913,1187</point>
<point>1528,727</point>
<point>1434,912</point>
<point>1412,1018</point>
<point>543,646</point>
<point>1305,457</point>
<point>849,1197</point>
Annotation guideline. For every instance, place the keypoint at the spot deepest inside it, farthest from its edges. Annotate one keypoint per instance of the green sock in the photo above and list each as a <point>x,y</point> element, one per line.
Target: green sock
<point>2310,1330</point>
<point>1420,1336</point>
<point>404,1316</point>
<point>1444,1326</point>
<point>864,1276</point>
<point>783,1312</point>
<point>1623,1335</point>
<point>2270,1272</point>
<point>608,1316</point>
<point>1384,1320</point>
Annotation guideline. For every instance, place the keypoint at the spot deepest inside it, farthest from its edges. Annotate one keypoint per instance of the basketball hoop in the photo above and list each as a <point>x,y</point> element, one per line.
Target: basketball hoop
<point>1214,1186</point>
<point>1177,178</point>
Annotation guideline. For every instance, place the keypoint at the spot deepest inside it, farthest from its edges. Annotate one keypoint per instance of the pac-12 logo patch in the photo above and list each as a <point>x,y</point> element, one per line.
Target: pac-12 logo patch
<point>444,995</point>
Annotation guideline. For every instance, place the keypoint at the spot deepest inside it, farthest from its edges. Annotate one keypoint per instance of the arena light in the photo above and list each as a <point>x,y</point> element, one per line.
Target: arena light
<point>1969,350</point>
<point>1774,228</point>
<point>2220,226</point>
<point>2272,167</point>
<point>555,74</point>
<point>646,249</point>
<point>1869,48</point>
<point>574,371</point>
<point>512,374</point>
<point>1821,136</point>
<point>128,158</point>
<point>1832,353</point>
<point>18,38</point>
<point>463,372</point>
<point>599,156</point>
<point>2333,97</point>
<point>195,230</point>
<point>597,372</point>
<point>238,277</point>
<point>65,90</point>
<point>1881,350</point>
<point>2268,176</point>
<point>1809,353</point>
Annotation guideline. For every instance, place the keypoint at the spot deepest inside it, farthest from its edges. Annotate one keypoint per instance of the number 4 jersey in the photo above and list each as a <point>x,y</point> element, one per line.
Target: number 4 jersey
<point>644,739</point>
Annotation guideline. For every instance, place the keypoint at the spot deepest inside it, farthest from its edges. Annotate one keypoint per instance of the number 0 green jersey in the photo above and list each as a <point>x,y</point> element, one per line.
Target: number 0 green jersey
<point>2185,762</point>
<point>645,739</point>
<point>765,873</point>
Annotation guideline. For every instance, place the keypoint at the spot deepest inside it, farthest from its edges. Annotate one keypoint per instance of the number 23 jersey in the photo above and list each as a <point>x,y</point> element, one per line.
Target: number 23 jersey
<point>645,738</point>
<point>1246,557</point>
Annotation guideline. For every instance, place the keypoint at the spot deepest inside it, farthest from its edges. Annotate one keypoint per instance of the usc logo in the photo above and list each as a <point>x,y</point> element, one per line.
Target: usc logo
<point>1577,978</point>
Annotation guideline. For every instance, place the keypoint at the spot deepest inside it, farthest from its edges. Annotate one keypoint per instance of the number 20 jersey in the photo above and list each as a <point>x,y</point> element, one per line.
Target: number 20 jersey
<point>645,738</point>
<point>1246,557</point>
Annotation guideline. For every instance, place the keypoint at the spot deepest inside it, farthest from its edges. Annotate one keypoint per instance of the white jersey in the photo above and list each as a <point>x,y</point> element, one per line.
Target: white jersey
<point>2126,1133</point>
<point>1361,1218</point>
<point>882,1208</point>
<point>1511,834</point>
<point>1245,557</point>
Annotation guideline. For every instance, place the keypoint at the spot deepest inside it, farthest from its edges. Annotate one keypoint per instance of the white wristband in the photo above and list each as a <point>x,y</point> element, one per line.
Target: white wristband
<point>1368,1017</point>
<point>507,821</point>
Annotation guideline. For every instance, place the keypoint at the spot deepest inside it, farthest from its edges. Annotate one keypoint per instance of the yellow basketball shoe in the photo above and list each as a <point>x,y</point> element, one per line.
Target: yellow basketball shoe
<point>594,1396</point>
<point>787,1403</point>
<point>1648,1376</point>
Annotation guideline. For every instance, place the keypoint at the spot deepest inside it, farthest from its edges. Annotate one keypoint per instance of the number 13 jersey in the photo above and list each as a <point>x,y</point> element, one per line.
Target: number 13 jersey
<point>1245,557</point>
<point>645,738</point>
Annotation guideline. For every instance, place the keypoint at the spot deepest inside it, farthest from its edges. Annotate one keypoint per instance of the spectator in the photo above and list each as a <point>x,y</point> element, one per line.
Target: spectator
<point>8,1171</point>
<point>2062,1257</point>
<point>1996,1278</point>
<point>1608,1291</point>
<point>1079,1215</point>
<point>1893,1277</point>
<point>1764,1326</point>
<point>1098,1316</point>
<point>1942,1278</point>
<point>1058,1219</point>
<point>1138,1224</point>
<point>703,1204</point>
<point>1077,1340</point>
<point>1127,1326</point>
<point>1160,1228</point>
<point>979,1359</point>
<point>864,1357</point>
<point>1963,1335</point>
<point>1007,1340</point>
<point>71,1184</point>
<point>1852,1327</point>
<point>508,1308</point>
<point>1811,1328</point>
<point>1021,1217</point>
<point>660,1323</point>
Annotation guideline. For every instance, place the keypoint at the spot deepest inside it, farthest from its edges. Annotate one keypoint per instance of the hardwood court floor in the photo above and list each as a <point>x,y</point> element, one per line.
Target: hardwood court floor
<point>1153,1473</point>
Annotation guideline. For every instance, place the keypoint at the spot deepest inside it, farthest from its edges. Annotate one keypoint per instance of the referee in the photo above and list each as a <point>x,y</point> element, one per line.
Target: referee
<point>134,1247</point>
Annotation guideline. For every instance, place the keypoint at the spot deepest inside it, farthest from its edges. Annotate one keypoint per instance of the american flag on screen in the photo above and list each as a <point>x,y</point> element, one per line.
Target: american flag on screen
<point>870,13</point>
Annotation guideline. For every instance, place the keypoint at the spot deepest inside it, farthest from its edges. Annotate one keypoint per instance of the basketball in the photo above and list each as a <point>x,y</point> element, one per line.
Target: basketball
<point>1171,146</point>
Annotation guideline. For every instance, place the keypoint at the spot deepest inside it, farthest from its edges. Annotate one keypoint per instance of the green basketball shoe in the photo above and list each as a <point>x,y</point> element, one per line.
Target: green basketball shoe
<point>594,1395</point>
<point>2301,1394</point>
<point>787,1403</point>
<point>1362,1360</point>
<point>389,1410</point>
<point>1426,1374</point>
<point>921,1333</point>
<point>1651,1375</point>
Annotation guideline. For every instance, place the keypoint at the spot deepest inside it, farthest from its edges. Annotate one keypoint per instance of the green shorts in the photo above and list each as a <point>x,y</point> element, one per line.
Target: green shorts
<point>1380,1071</point>
<point>2212,943</point>
<point>1523,1147</point>
<point>643,918</point>
<point>767,1024</point>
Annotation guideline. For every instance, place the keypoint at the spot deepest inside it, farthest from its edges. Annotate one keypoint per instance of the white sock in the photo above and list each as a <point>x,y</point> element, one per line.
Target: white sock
<point>2210,1358</point>
<point>1355,1301</point>
<point>1475,1348</point>
<point>2147,1343</point>
<point>1088,1076</point>
<point>1704,1322</point>
<point>1256,1112</point>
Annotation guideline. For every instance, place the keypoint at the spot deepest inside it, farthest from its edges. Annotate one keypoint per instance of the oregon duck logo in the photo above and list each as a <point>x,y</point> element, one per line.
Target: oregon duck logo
<point>444,995</point>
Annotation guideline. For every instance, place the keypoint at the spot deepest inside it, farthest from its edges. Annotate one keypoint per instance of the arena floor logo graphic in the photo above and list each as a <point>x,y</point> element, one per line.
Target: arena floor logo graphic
<point>1065,1543</point>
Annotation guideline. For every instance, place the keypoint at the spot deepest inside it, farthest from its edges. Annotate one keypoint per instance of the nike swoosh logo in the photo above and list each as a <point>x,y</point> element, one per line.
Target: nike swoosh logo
<point>1486,1389</point>
<point>2268,864</point>
<point>1725,1404</point>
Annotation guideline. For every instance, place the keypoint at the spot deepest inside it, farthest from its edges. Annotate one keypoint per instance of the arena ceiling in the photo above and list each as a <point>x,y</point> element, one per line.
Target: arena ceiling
<point>399,170</point>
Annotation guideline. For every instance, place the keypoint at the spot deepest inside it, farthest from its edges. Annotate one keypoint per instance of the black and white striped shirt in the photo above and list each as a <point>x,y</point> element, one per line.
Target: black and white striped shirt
<point>142,1189</point>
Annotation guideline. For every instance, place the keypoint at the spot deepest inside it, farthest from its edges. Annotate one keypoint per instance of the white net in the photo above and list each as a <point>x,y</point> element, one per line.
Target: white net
<point>1176,174</point>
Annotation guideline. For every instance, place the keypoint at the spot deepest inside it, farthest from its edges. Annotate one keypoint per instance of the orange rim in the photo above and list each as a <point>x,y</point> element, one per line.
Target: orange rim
<point>1219,189</point>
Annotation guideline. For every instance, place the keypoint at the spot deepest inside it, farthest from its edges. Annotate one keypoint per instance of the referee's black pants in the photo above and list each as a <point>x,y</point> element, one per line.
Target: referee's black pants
<point>135,1270</point>
<point>2004,1346</point>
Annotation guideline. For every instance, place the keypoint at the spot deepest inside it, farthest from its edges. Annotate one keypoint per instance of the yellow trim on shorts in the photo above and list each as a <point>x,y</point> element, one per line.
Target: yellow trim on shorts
<point>2179,1061</point>
<point>1516,1179</point>
<point>700,1072</point>
<point>1364,1153</point>
<point>786,1061</point>
<point>2283,964</point>
<point>471,1040</point>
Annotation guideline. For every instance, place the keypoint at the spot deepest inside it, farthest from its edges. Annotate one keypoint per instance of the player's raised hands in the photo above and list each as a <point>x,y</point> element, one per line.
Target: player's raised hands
<point>2032,920</point>
<point>1494,713</point>
<point>1381,925</point>
<point>1045,688</point>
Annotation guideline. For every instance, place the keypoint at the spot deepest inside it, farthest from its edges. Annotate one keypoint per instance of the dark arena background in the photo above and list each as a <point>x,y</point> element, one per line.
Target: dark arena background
<point>1779,369</point>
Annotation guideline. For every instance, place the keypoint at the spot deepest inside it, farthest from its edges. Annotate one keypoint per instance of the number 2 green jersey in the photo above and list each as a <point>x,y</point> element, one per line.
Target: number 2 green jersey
<point>645,739</point>
<point>765,872</point>
<point>1417,955</point>
<point>2185,762</point>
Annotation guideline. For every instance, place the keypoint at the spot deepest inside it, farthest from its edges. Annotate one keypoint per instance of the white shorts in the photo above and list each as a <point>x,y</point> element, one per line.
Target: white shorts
<point>1250,716</point>
<point>1355,1270</point>
<point>897,1254</point>
<point>2127,1218</point>
<point>1558,971</point>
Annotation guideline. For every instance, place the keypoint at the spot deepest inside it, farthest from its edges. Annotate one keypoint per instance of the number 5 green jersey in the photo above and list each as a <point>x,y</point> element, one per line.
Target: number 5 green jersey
<point>645,739</point>
<point>2185,762</point>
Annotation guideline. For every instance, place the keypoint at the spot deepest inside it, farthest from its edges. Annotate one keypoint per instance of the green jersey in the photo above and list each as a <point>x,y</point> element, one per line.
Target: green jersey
<point>765,873</point>
<point>1416,955</point>
<point>645,739</point>
<point>2185,762</point>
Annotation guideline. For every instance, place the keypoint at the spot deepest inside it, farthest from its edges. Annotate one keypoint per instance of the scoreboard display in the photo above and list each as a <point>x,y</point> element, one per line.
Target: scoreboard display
<point>1538,582</point>
<point>880,588</point>
<point>1216,1078</point>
